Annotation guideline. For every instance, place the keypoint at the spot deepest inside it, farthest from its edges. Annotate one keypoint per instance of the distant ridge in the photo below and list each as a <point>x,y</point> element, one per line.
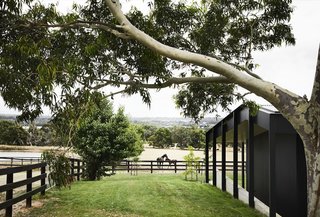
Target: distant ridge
<point>156,121</point>
<point>39,121</point>
<point>174,121</point>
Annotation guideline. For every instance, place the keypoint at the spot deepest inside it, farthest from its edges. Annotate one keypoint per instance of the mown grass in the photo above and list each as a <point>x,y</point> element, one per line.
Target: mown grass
<point>230,176</point>
<point>142,195</point>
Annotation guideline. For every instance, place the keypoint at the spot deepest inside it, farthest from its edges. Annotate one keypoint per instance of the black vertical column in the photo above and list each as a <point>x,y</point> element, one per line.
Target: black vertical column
<point>242,165</point>
<point>223,158</point>
<point>214,157</point>
<point>250,161</point>
<point>272,166</point>
<point>207,155</point>
<point>235,155</point>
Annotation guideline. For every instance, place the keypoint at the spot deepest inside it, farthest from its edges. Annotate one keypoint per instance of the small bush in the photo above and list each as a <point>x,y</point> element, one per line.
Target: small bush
<point>192,164</point>
<point>59,167</point>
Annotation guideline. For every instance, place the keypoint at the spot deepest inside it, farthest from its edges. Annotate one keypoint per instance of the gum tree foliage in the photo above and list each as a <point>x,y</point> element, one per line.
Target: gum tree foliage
<point>104,138</point>
<point>188,136</point>
<point>148,131</point>
<point>44,136</point>
<point>205,45</point>
<point>36,38</point>
<point>180,136</point>
<point>162,138</point>
<point>197,137</point>
<point>12,133</point>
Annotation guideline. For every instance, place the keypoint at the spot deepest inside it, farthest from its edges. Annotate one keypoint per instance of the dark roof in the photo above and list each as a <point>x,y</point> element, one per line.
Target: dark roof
<point>262,122</point>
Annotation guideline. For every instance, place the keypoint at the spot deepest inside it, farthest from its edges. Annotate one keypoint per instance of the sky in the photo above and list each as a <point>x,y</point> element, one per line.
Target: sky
<point>291,67</point>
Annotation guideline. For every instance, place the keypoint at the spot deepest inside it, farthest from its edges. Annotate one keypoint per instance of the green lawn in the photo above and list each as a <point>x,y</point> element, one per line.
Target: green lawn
<point>142,195</point>
<point>229,174</point>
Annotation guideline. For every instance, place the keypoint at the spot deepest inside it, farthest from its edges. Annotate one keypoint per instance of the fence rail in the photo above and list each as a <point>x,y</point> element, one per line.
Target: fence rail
<point>152,165</point>
<point>11,185</point>
<point>16,165</point>
<point>18,161</point>
<point>76,168</point>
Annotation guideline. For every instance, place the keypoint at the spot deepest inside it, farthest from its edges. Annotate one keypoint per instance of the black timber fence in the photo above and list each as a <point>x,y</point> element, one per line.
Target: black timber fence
<point>18,161</point>
<point>76,168</point>
<point>11,185</point>
<point>174,166</point>
<point>34,172</point>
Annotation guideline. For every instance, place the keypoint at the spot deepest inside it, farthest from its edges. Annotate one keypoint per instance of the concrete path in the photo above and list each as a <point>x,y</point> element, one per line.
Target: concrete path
<point>243,195</point>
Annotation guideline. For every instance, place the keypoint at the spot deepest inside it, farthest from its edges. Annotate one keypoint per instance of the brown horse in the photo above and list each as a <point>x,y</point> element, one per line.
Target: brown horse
<point>171,161</point>
<point>161,159</point>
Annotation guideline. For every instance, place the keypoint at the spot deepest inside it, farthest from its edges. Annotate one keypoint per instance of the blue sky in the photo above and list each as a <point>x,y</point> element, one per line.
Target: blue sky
<point>290,67</point>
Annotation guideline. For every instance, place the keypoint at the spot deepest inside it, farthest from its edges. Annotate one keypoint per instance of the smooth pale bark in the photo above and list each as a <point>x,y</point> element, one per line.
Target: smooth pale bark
<point>304,115</point>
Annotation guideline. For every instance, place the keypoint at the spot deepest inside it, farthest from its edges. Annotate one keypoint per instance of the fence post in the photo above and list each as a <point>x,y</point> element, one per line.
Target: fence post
<point>11,161</point>
<point>72,168</point>
<point>175,167</point>
<point>9,195</point>
<point>43,180</point>
<point>29,188</point>
<point>151,166</point>
<point>128,166</point>
<point>186,168</point>
<point>78,170</point>
<point>113,169</point>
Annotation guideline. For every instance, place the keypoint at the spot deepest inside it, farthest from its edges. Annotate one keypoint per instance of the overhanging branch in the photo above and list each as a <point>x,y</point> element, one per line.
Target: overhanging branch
<point>115,93</point>
<point>168,83</point>
<point>84,24</point>
<point>235,75</point>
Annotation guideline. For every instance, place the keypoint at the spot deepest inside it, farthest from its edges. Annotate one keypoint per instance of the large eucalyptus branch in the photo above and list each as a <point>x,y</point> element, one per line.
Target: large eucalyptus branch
<point>103,26</point>
<point>83,24</point>
<point>168,83</point>
<point>271,92</point>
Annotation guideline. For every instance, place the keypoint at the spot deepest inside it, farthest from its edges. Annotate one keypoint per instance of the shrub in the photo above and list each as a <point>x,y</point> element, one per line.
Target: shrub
<point>59,167</point>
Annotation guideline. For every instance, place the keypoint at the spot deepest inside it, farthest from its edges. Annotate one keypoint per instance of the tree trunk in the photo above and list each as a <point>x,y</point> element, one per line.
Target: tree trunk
<point>313,179</point>
<point>312,154</point>
<point>304,116</point>
<point>311,141</point>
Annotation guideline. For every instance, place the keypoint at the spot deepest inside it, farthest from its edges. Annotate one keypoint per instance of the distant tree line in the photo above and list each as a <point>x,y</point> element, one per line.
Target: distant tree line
<point>12,133</point>
<point>182,137</point>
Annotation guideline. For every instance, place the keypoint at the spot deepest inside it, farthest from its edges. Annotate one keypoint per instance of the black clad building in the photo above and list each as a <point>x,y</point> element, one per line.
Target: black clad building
<point>275,168</point>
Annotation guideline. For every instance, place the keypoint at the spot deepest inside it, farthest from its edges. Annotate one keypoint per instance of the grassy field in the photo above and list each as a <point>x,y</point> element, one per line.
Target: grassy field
<point>142,195</point>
